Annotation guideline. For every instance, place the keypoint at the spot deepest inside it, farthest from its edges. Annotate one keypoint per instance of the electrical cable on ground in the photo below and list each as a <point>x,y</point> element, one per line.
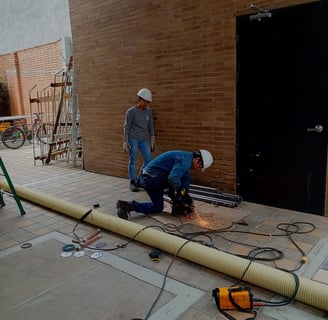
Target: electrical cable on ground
<point>164,281</point>
<point>254,255</point>
<point>118,246</point>
<point>289,229</point>
<point>287,232</point>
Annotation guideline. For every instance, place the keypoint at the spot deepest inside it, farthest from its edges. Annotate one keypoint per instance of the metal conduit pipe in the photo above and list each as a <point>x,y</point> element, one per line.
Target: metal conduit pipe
<point>310,292</point>
<point>211,199</point>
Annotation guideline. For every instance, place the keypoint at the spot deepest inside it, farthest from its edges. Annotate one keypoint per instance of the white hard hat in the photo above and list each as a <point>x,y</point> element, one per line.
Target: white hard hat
<point>145,94</point>
<point>207,159</point>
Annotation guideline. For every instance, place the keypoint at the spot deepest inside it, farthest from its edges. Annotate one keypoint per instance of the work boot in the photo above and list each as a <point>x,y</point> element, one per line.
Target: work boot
<point>123,209</point>
<point>133,186</point>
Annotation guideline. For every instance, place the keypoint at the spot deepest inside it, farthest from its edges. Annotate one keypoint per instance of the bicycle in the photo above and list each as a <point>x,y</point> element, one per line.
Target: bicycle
<point>15,136</point>
<point>44,132</point>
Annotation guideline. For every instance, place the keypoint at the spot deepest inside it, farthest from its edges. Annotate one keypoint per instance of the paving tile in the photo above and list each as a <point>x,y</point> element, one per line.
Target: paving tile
<point>324,266</point>
<point>321,276</point>
<point>196,314</point>
<point>7,244</point>
<point>32,227</point>
<point>24,223</point>
<point>86,188</point>
<point>42,231</point>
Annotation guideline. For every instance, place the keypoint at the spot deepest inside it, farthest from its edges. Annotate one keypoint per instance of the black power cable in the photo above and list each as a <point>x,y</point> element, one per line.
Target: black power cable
<point>252,256</point>
<point>257,251</point>
<point>164,281</point>
<point>286,301</point>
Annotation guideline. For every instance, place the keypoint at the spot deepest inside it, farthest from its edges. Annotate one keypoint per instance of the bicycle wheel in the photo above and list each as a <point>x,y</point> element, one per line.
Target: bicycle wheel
<point>13,137</point>
<point>44,133</point>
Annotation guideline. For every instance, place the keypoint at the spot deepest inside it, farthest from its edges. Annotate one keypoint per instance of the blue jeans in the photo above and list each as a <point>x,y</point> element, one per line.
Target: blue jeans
<point>154,186</point>
<point>144,148</point>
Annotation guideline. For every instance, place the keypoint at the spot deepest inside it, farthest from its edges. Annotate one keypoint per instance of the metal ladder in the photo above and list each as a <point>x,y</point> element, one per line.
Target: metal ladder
<point>59,114</point>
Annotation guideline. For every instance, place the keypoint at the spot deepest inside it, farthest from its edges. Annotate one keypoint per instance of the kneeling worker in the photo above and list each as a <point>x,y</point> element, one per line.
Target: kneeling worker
<point>170,170</point>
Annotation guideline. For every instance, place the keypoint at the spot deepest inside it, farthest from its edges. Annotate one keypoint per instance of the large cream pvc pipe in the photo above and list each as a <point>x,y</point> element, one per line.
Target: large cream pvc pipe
<point>310,292</point>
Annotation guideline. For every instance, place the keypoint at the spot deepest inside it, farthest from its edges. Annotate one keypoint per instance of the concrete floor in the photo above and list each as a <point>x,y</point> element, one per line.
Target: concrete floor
<point>40,282</point>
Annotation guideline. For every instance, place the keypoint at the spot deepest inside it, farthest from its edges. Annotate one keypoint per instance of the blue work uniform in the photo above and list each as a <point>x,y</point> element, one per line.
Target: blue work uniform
<point>168,170</point>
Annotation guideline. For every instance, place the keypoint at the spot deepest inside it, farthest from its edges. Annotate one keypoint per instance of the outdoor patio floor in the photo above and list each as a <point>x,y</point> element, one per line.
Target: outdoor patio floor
<point>39,283</point>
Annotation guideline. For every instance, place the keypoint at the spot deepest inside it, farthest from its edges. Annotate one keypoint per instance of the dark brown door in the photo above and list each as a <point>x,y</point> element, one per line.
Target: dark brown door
<point>282,107</point>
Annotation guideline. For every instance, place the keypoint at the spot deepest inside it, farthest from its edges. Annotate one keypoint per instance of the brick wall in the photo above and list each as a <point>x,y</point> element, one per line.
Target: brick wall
<point>24,69</point>
<point>184,51</point>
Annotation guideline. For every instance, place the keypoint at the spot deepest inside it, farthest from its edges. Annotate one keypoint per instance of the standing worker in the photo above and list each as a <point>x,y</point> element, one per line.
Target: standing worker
<point>170,170</point>
<point>139,134</point>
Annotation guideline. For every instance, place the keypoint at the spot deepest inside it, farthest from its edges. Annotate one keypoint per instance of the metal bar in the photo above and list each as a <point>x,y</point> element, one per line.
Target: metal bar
<point>213,200</point>
<point>213,195</point>
<point>194,186</point>
<point>11,186</point>
<point>14,117</point>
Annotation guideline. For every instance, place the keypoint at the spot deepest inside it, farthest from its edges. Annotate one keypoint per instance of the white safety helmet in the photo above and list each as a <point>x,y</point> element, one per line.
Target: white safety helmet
<point>207,159</point>
<point>145,94</point>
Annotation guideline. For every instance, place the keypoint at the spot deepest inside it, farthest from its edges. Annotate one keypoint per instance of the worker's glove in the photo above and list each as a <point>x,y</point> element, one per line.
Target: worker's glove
<point>188,199</point>
<point>180,195</point>
<point>126,145</point>
<point>152,143</point>
<point>170,192</point>
<point>182,203</point>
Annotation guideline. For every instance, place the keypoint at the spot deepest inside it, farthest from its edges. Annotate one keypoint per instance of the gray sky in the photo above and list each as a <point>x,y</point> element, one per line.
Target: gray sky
<point>29,23</point>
